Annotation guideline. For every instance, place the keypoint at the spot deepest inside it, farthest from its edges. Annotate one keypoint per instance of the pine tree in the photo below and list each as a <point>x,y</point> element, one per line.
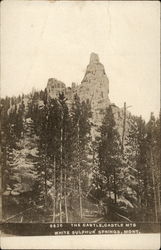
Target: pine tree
<point>142,171</point>
<point>153,162</point>
<point>107,163</point>
<point>53,150</point>
<point>59,151</point>
<point>129,175</point>
<point>12,129</point>
<point>5,141</point>
<point>41,126</point>
<point>109,150</point>
<point>80,114</point>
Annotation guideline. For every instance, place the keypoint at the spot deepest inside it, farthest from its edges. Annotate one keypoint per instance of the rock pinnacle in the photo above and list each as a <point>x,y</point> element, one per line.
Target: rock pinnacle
<point>94,58</point>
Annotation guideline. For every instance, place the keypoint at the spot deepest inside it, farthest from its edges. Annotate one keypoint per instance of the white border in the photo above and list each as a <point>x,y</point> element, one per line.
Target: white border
<point>126,241</point>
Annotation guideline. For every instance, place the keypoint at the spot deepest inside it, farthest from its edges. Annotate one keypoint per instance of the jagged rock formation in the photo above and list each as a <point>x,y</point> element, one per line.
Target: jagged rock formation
<point>54,87</point>
<point>94,87</point>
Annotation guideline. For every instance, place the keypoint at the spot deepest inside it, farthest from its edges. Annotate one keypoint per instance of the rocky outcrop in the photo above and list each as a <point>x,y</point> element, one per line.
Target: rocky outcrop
<point>54,87</point>
<point>94,87</point>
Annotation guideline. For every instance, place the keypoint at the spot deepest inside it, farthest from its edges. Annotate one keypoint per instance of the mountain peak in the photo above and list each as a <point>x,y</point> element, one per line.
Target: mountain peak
<point>94,58</point>
<point>94,87</point>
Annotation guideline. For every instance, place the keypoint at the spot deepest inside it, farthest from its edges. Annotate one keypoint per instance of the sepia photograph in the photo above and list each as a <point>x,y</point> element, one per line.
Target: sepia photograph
<point>80,118</point>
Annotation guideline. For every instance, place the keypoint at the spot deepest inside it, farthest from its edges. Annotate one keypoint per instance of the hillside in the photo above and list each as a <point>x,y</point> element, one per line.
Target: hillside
<point>70,155</point>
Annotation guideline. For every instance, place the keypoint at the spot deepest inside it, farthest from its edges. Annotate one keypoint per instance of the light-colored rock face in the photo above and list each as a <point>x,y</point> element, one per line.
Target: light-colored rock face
<point>95,87</point>
<point>55,87</point>
<point>94,58</point>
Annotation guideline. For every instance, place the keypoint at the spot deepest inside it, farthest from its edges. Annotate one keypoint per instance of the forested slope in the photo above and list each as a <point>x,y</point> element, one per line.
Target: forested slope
<point>54,170</point>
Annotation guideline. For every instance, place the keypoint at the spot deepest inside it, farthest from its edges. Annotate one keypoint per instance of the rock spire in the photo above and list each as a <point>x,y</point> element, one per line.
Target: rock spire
<point>94,87</point>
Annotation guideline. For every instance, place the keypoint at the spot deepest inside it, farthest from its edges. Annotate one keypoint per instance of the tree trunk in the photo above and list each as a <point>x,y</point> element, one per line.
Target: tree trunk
<point>145,187</point>
<point>61,191</point>
<point>61,171</point>
<point>54,191</point>
<point>115,186</point>
<point>124,128</point>
<point>65,198</point>
<point>159,208</point>
<point>80,197</point>
<point>154,186</point>
<point>45,183</point>
<point>1,182</point>
<point>79,178</point>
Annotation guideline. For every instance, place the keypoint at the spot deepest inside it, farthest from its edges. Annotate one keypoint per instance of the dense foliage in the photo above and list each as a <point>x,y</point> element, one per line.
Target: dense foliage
<point>52,167</point>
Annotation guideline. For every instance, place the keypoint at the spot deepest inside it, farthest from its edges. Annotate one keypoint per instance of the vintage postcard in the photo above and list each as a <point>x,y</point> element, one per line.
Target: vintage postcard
<point>80,123</point>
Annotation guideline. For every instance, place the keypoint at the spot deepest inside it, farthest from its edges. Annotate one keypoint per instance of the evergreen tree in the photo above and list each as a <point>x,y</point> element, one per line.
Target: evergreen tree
<point>12,129</point>
<point>80,114</point>
<point>109,152</point>
<point>153,164</point>
<point>47,150</point>
<point>129,177</point>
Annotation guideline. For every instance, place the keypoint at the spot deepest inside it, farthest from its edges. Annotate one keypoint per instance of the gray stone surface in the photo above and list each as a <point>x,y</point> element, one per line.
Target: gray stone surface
<point>94,87</point>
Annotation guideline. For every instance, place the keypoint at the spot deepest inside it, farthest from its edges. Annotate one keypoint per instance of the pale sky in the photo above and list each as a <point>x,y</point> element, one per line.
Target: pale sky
<point>42,39</point>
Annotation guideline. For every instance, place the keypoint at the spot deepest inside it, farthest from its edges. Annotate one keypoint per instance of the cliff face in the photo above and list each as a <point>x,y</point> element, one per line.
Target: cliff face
<point>94,87</point>
<point>54,87</point>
